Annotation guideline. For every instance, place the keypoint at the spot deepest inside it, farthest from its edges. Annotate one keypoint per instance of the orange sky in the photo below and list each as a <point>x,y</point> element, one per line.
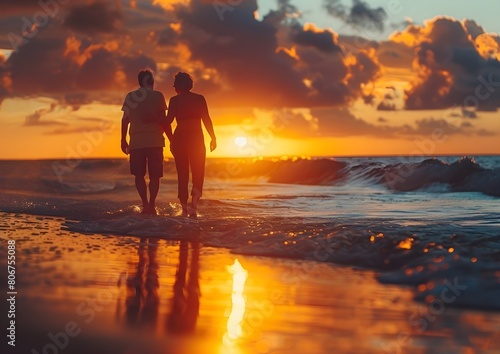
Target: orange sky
<point>282,85</point>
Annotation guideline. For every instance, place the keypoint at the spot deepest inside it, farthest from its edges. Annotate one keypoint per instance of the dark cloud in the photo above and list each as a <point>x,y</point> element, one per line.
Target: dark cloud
<point>14,7</point>
<point>97,17</point>
<point>395,55</point>
<point>73,71</point>
<point>4,78</point>
<point>486,133</point>
<point>167,36</point>
<point>131,65</point>
<point>428,127</point>
<point>360,15</point>
<point>237,60</point>
<point>40,68</point>
<point>473,28</point>
<point>323,40</point>
<point>98,72</point>
<point>255,64</point>
<point>243,51</point>
<point>451,69</point>
<point>386,105</point>
<point>74,130</point>
<point>36,118</point>
<point>341,122</point>
<point>431,126</point>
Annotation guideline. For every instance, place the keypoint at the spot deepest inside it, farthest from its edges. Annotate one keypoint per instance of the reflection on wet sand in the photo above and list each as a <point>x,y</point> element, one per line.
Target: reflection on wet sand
<point>186,301</point>
<point>142,304</point>
<point>142,289</point>
<point>287,307</point>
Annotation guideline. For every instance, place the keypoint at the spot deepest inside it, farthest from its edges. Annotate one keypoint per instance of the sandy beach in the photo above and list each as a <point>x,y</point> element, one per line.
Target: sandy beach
<point>117,294</point>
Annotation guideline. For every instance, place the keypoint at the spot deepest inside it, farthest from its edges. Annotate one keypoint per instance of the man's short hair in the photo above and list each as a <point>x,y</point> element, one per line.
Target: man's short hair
<point>145,78</point>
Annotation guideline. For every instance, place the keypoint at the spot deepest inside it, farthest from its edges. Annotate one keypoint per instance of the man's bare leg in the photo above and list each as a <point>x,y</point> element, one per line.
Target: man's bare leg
<point>154,186</point>
<point>140,185</point>
<point>195,198</point>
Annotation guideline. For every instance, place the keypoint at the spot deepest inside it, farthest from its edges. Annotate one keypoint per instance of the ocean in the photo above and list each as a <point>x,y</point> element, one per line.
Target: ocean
<point>417,221</point>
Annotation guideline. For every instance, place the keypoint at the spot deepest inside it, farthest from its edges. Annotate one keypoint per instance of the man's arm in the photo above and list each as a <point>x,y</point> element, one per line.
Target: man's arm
<point>125,123</point>
<point>207,121</point>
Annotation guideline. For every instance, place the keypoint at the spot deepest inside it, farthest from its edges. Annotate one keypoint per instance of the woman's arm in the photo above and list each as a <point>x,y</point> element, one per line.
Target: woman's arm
<point>207,122</point>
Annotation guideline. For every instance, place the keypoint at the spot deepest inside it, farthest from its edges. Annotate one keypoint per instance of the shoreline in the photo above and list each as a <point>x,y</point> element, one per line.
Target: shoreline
<point>149,295</point>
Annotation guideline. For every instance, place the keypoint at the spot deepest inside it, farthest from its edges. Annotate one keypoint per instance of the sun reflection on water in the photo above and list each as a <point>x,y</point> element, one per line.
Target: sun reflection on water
<point>234,329</point>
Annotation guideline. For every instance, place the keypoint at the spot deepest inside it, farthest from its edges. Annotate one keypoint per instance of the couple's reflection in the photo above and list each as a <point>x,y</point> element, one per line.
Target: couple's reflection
<point>142,303</point>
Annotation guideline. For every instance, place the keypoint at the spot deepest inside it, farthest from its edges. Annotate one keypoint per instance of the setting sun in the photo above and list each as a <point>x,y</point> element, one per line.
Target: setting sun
<point>241,141</point>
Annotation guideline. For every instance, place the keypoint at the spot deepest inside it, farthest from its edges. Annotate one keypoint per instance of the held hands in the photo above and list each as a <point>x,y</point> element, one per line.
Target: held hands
<point>125,147</point>
<point>213,144</point>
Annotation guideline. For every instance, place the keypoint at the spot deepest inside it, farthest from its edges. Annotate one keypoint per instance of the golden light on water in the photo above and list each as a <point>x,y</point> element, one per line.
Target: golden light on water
<point>234,329</point>
<point>406,244</point>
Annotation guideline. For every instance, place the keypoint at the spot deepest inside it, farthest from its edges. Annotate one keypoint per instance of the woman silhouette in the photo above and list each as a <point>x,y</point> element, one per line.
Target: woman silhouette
<point>187,143</point>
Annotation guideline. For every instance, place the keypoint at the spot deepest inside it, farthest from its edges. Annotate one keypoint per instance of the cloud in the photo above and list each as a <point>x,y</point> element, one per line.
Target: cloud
<point>309,35</point>
<point>360,15</point>
<point>386,105</point>
<point>473,28</point>
<point>74,130</point>
<point>239,61</point>
<point>73,71</point>
<point>341,122</point>
<point>395,55</point>
<point>16,7</point>
<point>36,118</point>
<point>432,126</point>
<point>93,18</point>
<point>454,69</point>
<point>5,81</point>
<point>274,62</point>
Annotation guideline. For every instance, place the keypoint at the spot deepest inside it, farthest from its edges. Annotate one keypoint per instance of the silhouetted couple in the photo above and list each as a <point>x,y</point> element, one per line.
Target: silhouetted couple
<point>144,109</point>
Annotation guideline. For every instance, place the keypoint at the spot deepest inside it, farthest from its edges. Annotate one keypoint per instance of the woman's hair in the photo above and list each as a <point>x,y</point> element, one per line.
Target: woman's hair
<point>145,77</point>
<point>183,81</point>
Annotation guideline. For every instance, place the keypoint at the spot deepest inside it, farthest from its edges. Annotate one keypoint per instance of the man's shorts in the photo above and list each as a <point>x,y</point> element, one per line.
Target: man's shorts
<point>153,157</point>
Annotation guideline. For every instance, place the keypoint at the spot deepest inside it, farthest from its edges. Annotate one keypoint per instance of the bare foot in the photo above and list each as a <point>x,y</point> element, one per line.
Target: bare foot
<point>195,200</point>
<point>193,213</point>
<point>184,210</point>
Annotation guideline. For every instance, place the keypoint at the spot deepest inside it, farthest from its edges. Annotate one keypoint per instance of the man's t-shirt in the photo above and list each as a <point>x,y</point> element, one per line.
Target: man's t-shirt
<point>143,106</point>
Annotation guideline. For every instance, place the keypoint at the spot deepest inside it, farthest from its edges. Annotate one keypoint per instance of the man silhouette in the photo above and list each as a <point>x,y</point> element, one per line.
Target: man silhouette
<point>144,109</point>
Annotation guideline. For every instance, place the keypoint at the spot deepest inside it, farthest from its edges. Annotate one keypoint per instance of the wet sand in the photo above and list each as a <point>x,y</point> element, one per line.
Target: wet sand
<point>129,295</point>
